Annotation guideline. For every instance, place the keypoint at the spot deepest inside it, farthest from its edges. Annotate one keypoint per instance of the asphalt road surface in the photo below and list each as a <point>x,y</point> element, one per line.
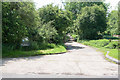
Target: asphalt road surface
<point>79,61</point>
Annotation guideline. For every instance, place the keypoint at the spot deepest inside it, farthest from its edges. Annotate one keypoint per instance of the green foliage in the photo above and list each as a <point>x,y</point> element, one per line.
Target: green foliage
<point>76,7</point>
<point>44,46</point>
<point>74,36</point>
<point>113,23</point>
<point>19,53</point>
<point>7,48</point>
<point>91,22</point>
<point>47,31</point>
<point>34,45</point>
<point>97,43</point>
<point>112,45</point>
<point>49,25</point>
<point>17,20</point>
<point>119,16</point>
<point>61,19</point>
<point>112,52</point>
<point>21,20</point>
<point>101,43</point>
<point>104,45</point>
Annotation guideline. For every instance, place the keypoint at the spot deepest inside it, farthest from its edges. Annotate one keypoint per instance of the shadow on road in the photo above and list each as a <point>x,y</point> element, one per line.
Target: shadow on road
<point>70,47</point>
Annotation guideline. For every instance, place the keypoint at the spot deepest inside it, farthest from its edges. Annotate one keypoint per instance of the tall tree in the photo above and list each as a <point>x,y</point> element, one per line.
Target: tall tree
<point>76,7</point>
<point>18,19</point>
<point>91,22</point>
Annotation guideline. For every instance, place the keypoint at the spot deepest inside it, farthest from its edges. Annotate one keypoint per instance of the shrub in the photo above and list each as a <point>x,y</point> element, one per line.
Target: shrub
<point>44,46</point>
<point>97,43</point>
<point>33,45</point>
<point>9,47</point>
<point>112,45</point>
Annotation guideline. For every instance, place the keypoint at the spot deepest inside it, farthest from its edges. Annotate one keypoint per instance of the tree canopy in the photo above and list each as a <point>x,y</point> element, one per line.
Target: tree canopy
<point>50,24</point>
<point>91,22</point>
<point>61,19</point>
<point>112,27</point>
<point>18,19</point>
<point>76,7</point>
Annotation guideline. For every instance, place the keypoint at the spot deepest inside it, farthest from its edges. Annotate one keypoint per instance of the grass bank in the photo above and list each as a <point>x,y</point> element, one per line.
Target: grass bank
<point>21,53</point>
<point>104,45</point>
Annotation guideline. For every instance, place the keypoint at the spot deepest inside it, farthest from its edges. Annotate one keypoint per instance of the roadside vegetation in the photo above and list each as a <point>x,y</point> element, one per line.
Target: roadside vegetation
<point>24,52</point>
<point>104,45</point>
<point>27,31</point>
<point>94,28</point>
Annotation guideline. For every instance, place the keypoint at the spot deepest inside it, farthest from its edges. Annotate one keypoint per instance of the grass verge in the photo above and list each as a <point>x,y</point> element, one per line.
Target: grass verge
<point>112,52</point>
<point>19,53</point>
<point>104,45</point>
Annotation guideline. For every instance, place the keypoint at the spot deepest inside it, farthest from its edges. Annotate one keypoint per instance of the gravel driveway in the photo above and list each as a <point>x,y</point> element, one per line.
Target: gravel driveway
<point>80,60</point>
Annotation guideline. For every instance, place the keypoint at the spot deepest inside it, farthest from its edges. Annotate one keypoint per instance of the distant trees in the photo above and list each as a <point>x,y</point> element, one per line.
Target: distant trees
<point>119,16</point>
<point>76,7</point>
<point>91,22</point>
<point>112,27</point>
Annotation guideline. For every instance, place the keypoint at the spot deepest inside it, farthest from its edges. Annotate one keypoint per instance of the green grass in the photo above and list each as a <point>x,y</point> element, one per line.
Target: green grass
<point>103,45</point>
<point>19,53</point>
<point>112,52</point>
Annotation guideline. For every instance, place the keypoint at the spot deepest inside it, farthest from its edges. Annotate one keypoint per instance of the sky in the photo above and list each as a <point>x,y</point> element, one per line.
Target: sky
<point>41,3</point>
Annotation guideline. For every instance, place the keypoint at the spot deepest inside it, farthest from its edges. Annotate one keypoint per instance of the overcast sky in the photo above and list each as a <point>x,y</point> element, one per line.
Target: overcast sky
<point>40,3</point>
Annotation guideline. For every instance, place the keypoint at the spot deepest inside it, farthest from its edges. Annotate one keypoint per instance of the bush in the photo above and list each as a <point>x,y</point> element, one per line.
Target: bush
<point>97,43</point>
<point>10,47</point>
<point>33,45</point>
<point>101,43</point>
<point>112,45</point>
<point>40,46</point>
<point>44,46</point>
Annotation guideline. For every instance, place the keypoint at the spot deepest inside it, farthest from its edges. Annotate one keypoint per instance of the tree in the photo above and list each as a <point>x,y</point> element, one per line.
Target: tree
<point>91,22</point>
<point>119,16</point>
<point>76,7</point>
<point>113,23</point>
<point>17,21</point>
<point>61,19</point>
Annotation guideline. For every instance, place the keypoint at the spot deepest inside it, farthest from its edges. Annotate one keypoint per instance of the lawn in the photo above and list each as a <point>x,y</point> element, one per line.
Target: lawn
<point>20,53</point>
<point>112,52</point>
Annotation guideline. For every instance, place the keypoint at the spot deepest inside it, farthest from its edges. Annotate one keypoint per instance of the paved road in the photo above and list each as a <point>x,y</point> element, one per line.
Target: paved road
<point>80,60</point>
